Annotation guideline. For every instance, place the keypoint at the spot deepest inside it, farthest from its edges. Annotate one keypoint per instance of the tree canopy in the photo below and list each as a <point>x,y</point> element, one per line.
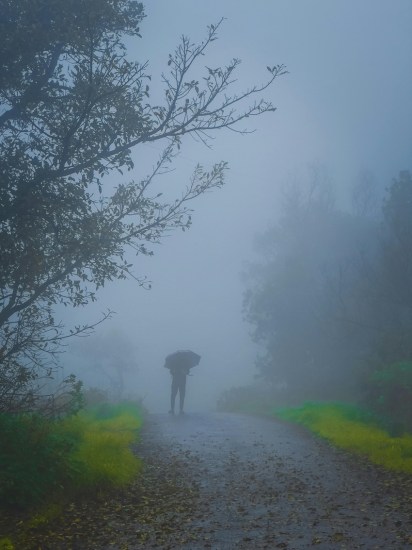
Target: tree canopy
<point>73,106</point>
<point>330,300</point>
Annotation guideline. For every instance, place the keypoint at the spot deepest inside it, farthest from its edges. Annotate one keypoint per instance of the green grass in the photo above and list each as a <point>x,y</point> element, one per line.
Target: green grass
<point>41,460</point>
<point>6,544</point>
<point>102,455</point>
<point>349,427</point>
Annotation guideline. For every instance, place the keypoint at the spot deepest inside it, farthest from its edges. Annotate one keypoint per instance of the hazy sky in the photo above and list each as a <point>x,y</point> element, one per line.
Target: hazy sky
<point>346,104</point>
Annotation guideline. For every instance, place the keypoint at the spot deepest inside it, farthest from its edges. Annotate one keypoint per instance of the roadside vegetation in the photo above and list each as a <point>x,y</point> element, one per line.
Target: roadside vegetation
<point>356,430</point>
<point>378,427</point>
<point>329,303</point>
<point>66,229</point>
<point>75,105</point>
<point>45,463</point>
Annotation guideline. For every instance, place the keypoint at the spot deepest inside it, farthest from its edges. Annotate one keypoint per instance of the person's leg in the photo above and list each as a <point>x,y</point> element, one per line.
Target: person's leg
<point>182,392</point>
<point>175,387</point>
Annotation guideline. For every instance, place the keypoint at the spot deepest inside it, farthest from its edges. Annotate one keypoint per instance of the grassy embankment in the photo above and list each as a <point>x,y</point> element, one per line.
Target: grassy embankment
<point>43,462</point>
<point>349,427</point>
<point>380,430</point>
<point>344,425</point>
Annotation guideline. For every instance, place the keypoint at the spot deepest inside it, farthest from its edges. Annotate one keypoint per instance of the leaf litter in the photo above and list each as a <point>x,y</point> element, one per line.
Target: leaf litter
<point>228,482</point>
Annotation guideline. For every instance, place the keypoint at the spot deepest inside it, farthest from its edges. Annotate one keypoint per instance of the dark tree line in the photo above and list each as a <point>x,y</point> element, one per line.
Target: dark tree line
<point>330,302</point>
<point>73,106</point>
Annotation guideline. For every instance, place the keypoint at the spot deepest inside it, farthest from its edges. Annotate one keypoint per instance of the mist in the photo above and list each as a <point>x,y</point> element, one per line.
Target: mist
<point>344,108</point>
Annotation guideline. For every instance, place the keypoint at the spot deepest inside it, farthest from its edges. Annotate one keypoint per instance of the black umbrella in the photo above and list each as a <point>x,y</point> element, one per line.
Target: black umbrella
<point>182,359</point>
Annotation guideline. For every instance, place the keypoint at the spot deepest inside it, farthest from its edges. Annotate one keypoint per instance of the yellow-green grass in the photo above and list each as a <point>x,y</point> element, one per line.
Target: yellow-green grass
<point>42,459</point>
<point>347,427</point>
<point>102,454</point>
<point>86,452</point>
<point>6,544</point>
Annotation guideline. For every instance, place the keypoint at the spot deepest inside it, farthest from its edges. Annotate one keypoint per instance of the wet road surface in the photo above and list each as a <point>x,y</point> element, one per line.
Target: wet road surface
<point>228,482</point>
<point>259,483</point>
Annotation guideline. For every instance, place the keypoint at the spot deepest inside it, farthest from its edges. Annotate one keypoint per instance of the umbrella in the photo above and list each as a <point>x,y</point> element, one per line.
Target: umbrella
<point>183,359</point>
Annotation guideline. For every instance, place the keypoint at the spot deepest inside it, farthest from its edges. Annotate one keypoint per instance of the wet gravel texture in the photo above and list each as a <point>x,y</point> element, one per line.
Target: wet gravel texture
<point>226,481</point>
<point>268,484</point>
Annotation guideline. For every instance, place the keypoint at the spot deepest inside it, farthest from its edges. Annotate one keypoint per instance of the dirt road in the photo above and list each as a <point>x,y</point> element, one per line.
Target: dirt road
<point>224,481</point>
<point>266,484</point>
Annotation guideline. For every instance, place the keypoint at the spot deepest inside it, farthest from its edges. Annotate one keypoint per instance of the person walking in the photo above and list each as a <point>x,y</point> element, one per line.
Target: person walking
<point>178,385</point>
<point>179,364</point>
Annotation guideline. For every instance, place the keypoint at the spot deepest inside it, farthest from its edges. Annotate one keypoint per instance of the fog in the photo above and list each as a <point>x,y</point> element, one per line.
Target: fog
<point>345,106</point>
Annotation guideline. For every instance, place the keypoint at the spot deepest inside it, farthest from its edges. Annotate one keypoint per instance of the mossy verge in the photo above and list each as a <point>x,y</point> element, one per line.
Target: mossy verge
<point>46,463</point>
<point>350,427</point>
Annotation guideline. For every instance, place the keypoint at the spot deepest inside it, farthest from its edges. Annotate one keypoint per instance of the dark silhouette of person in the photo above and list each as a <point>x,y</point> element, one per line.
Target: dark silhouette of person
<point>179,374</point>
<point>179,363</point>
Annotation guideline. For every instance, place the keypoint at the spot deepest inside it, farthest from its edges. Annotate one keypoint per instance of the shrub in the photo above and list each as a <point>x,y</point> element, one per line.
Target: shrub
<point>32,458</point>
<point>6,544</point>
<point>390,396</point>
<point>102,455</point>
<point>40,457</point>
<point>94,396</point>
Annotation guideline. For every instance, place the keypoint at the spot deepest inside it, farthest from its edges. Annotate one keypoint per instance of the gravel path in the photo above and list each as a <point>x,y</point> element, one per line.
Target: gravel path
<point>223,481</point>
<point>266,484</point>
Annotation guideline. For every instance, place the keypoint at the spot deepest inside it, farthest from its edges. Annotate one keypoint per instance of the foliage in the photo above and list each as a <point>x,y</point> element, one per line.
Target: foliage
<point>354,429</point>
<point>330,301</point>
<point>153,510</point>
<point>6,544</point>
<point>23,390</point>
<point>32,459</point>
<point>94,396</point>
<point>295,294</point>
<point>104,435</point>
<point>393,279</point>
<point>389,394</point>
<point>40,458</point>
<point>73,106</point>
